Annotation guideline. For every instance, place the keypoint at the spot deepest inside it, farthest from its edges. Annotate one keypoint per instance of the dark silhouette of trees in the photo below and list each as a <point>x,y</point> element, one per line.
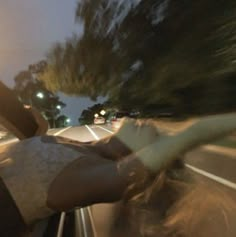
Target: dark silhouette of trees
<point>143,54</point>
<point>87,115</point>
<point>33,93</point>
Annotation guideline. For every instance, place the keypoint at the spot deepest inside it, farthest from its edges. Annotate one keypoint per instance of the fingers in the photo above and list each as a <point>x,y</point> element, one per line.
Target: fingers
<point>127,126</point>
<point>137,134</point>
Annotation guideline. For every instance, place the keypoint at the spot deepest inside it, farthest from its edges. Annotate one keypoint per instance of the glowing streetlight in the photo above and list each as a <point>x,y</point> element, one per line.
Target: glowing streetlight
<point>96,115</point>
<point>103,112</point>
<point>68,120</point>
<point>27,106</point>
<point>58,107</point>
<point>40,95</point>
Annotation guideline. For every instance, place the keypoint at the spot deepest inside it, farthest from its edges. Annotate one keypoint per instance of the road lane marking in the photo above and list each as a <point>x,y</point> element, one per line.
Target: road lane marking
<point>9,141</point>
<point>229,152</point>
<point>92,132</point>
<point>78,223</point>
<point>61,131</point>
<point>213,177</point>
<point>82,214</point>
<point>106,129</point>
<point>92,221</point>
<point>61,224</point>
<point>16,139</point>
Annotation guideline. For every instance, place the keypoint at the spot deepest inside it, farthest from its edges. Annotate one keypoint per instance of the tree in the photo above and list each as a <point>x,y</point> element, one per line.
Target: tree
<point>33,93</point>
<point>62,121</point>
<point>87,115</point>
<point>154,51</point>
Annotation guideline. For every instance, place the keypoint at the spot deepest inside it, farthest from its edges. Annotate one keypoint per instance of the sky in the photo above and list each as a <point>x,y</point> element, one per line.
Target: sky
<point>28,28</point>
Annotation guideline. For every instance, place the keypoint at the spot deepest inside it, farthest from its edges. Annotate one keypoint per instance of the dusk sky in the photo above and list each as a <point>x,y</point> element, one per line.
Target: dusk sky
<point>28,29</point>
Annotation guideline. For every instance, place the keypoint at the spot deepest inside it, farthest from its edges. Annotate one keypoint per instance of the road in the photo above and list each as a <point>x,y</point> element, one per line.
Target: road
<point>211,165</point>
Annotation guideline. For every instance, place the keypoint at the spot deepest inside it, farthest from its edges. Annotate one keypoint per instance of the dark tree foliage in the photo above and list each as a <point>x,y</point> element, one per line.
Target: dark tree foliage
<point>151,53</point>
<point>87,115</point>
<point>61,121</point>
<point>33,93</point>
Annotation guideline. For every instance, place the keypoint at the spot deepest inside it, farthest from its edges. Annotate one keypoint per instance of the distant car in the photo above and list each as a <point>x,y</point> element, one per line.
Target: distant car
<point>117,118</point>
<point>99,120</point>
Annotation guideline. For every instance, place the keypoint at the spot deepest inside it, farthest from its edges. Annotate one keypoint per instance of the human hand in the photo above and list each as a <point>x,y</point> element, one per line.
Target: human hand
<point>136,134</point>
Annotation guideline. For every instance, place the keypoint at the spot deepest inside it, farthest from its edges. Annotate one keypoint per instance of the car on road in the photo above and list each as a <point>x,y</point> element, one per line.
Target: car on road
<point>99,120</point>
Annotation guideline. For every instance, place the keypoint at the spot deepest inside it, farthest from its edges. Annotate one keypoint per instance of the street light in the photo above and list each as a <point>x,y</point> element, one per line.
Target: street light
<point>27,106</point>
<point>68,120</point>
<point>103,112</point>
<point>58,107</point>
<point>40,95</point>
<point>96,115</point>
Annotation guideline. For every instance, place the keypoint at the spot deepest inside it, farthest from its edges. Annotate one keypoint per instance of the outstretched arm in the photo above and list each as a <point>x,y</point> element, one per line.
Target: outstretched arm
<point>94,180</point>
<point>130,138</point>
<point>94,177</point>
<point>160,153</point>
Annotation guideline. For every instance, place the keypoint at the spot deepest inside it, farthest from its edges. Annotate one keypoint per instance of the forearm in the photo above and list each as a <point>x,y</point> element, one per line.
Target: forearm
<point>159,154</point>
<point>86,181</point>
<point>91,180</point>
<point>94,179</point>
